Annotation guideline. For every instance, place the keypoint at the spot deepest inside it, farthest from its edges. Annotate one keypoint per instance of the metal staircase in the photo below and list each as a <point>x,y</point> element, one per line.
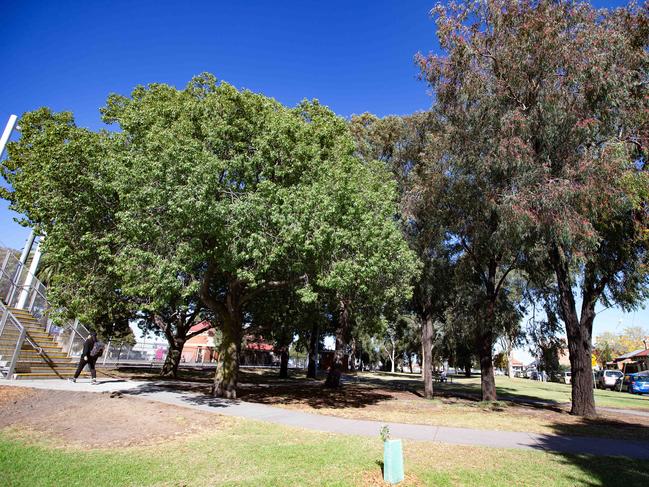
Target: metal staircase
<point>31,345</point>
<point>40,356</point>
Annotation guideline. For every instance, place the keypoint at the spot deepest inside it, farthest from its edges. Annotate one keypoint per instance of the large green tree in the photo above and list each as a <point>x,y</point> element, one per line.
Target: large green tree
<point>60,180</point>
<point>553,96</point>
<point>463,187</point>
<point>369,266</point>
<point>401,144</point>
<point>252,196</point>
<point>66,181</point>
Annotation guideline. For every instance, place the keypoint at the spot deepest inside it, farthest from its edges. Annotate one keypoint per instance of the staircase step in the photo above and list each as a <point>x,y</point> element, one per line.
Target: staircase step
<point>31,351</point>
<point>34,366</point>
<point>51,362</point>
<point>46,370</point>
<point>8,344</point>
<point>47,365</point>
<point>41,343</point>
<point>33,336</point>
<point>53,375</point>
<point>12,330</point>
<point>33,357</point>
<point>28,320</point>
<point>26,324</point>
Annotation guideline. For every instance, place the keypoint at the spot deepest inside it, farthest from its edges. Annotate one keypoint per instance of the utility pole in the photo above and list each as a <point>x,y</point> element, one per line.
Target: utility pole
<point>11,124</point>
<point>6,135</point>
<point>24,293</point>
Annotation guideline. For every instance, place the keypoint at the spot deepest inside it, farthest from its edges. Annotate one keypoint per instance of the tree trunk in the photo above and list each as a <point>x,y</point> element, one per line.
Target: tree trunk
<point>283,364</point>
<point>170,367</point>
<point>487,378</point>
<point>427,362</point>
<point>467,369</point>
<point>580,350</point>
<point>486,340</point>
<point>227,367</point>
<point>359,351</point>
<point>410,363</point>
<point>335,371</point>
<point>352,355</point>
<point>579,333</point>
<point>313,352</point>
<point>510,367</point>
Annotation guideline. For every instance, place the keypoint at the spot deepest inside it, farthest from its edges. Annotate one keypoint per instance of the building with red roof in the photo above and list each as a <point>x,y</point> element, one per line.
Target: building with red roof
<point>202,348</point>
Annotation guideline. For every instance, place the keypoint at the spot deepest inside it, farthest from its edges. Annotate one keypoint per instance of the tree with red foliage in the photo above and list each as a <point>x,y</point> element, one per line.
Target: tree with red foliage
<point>546,103</point>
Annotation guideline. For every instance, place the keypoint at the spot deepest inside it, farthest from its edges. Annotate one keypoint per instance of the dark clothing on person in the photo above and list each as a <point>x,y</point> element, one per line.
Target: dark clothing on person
<point>91,364</point>
<point>86,359</point>
<point>87,347</point>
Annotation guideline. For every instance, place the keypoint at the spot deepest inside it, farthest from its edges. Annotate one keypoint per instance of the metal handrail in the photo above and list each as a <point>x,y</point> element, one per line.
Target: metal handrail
<point>16,322</point>
<point>20,268</point>
<point>22,337</point>
<point>71,327</point>
<point>34,290</point>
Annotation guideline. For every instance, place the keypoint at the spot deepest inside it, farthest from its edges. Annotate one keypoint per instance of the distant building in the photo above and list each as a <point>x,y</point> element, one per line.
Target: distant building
<point>517,366</point>
<point>635,361</point>
<point>200,348</point>
<point>255,351</point>
<point>564,356</point>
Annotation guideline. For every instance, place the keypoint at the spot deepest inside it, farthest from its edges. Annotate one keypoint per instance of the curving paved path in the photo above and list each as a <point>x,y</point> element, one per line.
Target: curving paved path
<point>160,391</point>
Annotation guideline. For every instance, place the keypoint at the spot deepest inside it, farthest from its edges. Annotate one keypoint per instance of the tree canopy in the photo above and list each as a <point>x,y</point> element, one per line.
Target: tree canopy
<point>217,192</point>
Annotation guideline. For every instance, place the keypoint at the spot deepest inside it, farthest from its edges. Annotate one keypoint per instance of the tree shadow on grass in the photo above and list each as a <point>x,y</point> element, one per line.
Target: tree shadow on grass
<point>187,374</point>
<point>414,384</point>
<point>606,471</point>
<point>622,461</point>
<point>606,434</point>
<point>266,388</point>
<point>314,395</point>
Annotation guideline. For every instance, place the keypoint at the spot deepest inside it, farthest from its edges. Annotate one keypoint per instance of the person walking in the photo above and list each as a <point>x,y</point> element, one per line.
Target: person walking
<point>92,350</point>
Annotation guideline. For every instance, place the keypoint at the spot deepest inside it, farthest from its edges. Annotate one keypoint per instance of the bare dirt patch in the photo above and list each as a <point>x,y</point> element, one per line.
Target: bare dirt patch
<point>98,420</point>
<point>11,395</point>
<point>374,478</point>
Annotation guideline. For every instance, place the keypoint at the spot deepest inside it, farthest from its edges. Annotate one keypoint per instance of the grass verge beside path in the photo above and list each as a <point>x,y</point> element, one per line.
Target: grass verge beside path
<point>254,453</point>
<point>523,389</point>
<point>397,398</point>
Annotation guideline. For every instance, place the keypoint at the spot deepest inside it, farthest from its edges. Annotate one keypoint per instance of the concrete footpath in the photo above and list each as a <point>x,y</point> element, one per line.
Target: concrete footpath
<point>162,392</point>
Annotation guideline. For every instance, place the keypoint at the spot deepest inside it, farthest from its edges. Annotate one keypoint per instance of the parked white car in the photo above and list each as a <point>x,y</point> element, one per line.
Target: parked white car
<point>606,379</point>
<point>565,377</point>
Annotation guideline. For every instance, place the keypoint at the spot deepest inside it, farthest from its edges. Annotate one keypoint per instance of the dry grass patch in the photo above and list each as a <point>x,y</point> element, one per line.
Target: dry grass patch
<point>397,398</point>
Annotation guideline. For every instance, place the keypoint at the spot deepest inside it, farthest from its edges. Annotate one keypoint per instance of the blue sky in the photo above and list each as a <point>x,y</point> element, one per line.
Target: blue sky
<point>354,56</point>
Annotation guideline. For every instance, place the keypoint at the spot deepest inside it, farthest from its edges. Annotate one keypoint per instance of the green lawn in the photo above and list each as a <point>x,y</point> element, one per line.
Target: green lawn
<point>254,453</point>
<point>522,389</point>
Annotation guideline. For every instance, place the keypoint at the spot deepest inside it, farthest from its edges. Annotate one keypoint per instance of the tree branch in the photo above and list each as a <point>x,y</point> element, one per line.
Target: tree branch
<point>198,332</point>
<point>207,298</point>
<point>164,326</point>
<point>475,259</point>
<point>502,278</point>
<point>272,285</point>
